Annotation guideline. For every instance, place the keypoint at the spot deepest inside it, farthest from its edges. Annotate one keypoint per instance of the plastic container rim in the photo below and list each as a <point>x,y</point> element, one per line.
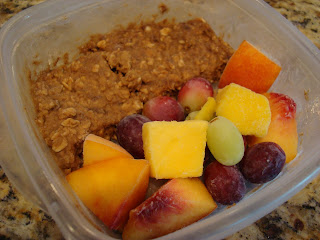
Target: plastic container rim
<point>297,182</point>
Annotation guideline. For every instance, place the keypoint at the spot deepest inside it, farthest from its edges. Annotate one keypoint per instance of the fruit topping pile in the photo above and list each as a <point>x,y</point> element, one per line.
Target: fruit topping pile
<point>202,147</point>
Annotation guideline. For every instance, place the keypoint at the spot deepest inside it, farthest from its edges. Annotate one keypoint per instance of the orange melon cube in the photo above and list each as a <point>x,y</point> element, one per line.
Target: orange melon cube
<point>249,111</point>
<point>175,149</point>
<point>110,189</point>
<point>97,149</point>
<point>250,68</point>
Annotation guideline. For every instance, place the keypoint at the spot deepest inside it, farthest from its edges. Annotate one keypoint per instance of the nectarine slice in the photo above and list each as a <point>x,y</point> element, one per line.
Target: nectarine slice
<point>178,203</point>
<point>283,125</point>
<point>97,149</point>
<point>250,68</point>
<point>110,189</point>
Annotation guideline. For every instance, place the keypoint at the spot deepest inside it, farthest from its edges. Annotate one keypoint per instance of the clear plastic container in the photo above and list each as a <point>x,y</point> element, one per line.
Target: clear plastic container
<point>53,28</point>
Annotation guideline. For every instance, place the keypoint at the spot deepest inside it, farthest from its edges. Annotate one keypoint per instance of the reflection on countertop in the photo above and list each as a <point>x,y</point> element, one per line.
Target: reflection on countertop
<point>298,218</point>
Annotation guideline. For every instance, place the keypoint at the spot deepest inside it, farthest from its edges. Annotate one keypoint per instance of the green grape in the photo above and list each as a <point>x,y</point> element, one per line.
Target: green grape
<point>192,115</point>
<point>225,141</point>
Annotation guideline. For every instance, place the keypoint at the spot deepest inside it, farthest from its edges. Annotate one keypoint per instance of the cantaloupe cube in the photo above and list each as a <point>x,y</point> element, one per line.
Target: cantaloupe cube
<point>175,149</point>
<point>96,149</point>
<point>249,111</point>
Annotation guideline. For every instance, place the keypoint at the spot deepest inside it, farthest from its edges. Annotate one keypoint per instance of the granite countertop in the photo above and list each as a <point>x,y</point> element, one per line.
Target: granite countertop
<point>298,218</point>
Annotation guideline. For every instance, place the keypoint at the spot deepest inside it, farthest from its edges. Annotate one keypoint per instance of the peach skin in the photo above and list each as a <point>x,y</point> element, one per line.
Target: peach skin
<point>250,68</point>
<point>178,203</point>
<point>111,188</point>
<point>283,126</point>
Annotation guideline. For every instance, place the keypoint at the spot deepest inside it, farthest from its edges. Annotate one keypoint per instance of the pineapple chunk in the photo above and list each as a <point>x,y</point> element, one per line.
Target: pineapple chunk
<point>207,111</point>
<point>175,149</point>
<point>249,111</point>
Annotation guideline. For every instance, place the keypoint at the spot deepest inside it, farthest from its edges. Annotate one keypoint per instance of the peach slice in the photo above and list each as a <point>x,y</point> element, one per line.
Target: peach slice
<point>283,126</point>
<point>178,203</point>
<point>250,68</point>
<point>110,189</point>
<point>97,149</point>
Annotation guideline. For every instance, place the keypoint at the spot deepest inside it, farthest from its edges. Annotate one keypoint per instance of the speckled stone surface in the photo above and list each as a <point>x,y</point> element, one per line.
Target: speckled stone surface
<point>298,218</point>
<point>304,14</point>
<point>10,7</point>
<point>20,219</point>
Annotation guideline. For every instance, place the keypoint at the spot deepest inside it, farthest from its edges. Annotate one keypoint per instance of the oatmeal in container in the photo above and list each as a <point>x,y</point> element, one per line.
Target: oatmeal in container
<point>116,74</point>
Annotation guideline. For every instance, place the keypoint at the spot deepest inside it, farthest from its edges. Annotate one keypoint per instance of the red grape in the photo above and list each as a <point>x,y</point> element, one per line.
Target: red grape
<point>163,108</point>
<point>129,134</point>
<point>262,162</point>
<point>225,183</point>
<point>194,94</point>
<point>245,142</point>
<point>208,157</point>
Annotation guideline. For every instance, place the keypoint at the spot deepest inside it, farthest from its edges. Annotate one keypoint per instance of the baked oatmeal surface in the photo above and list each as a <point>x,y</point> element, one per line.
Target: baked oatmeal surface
<point>116,74</point>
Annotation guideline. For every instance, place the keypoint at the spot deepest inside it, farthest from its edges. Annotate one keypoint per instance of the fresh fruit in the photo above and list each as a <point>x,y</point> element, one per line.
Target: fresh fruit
<point>225,141</point>
<point>208,157</point>
<point>111,188</point>
<point>154,185</point>
<point>262,162</point>
<point>129,134</point>
<point>97,149</point>
<point>245,142</point>
<point>283,126</point>
<point>178,203</point>
<point>207,111</point>
<point>225,183</point>
<point>194,94</point>
<point>163,108</point>
<point>249,111</point>
<point>175,149</point>
<point>192,115</point>
<point>250,68</point>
